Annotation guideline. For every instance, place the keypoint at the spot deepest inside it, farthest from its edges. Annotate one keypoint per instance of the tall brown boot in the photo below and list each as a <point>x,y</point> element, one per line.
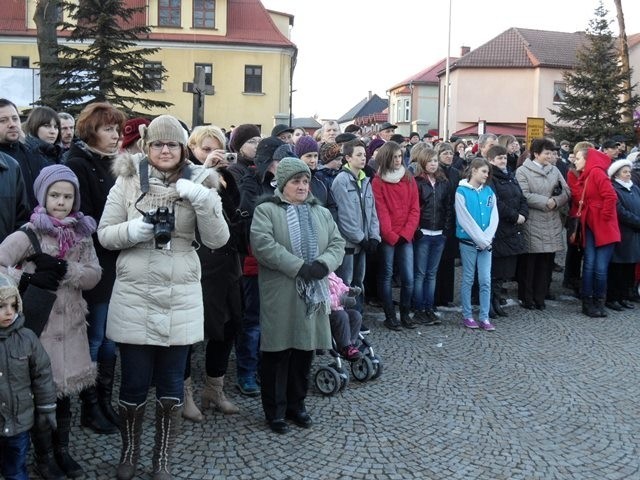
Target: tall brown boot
<point>190,411</point>
<point>168,422</point>
<point>214,393</point>
<point>131,418</point>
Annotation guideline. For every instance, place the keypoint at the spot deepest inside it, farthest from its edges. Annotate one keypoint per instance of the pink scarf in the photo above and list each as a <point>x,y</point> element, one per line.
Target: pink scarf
<point>68,231</point>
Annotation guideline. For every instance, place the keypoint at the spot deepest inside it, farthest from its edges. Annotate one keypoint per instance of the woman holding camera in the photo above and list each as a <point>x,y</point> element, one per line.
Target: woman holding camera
<point>156,309</point>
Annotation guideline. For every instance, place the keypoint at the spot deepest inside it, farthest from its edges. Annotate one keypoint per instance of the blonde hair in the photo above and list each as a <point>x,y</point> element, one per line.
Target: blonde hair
<point>202,132</point>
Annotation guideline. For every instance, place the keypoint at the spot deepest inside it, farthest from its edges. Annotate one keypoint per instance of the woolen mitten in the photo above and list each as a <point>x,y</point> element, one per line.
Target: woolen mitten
<point>318,270</point>
<point>139,231</point>
<point>194,192</point>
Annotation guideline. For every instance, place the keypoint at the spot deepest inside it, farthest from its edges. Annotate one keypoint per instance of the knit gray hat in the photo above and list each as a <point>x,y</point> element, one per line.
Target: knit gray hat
<point>283,151</point>
<point>8,288</point>
<point>288,168</point>
<point>164,127</point>
<point>52,174</point>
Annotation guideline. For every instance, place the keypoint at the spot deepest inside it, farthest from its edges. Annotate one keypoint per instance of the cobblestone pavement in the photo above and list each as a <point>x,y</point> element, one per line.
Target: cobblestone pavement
<point>548,395</point>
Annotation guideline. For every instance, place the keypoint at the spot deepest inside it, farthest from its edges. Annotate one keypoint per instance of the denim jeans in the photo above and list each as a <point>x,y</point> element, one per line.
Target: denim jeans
<point>248,339</point>
<point>352,273</point>
<point>595,267</point>
<point>13,456</point>
<point>143,364</point>
<point>404,254</point>
<point>471,258</point>
<point>426,258</point>
<point>101,348</point>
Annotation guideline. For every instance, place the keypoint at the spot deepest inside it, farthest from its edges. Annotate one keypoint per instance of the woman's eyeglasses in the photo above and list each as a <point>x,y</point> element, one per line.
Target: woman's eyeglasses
<point>158,146</point>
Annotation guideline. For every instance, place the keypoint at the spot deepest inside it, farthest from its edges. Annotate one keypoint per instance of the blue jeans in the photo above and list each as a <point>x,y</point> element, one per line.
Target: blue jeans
<point>352,273</point>
<point>143,364</point>
<point>426,255</point>
<point>13,456</point>
<point>471,258</point>
<point>595,267</point>
<point>248,340</point>
<point>101,348</point>
<point>404,254</point>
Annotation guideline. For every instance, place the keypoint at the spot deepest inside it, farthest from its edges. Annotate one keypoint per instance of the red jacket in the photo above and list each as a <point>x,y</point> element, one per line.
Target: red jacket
<point>599,208</point>
<point>398,208</point>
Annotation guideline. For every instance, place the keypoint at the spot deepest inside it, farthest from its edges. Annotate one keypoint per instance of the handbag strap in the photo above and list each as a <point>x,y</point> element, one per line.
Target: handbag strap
<point>584,190</point>
<point>32,238</point>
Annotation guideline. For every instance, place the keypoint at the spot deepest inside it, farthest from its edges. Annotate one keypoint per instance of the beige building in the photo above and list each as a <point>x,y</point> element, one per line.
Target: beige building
<point>245,50</point>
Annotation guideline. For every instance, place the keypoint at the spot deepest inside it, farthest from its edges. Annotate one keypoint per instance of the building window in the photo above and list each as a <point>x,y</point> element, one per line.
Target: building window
<point>204,14</point>
<point>153,75</point>
<point>208,72</point>
<point>169,13</point>
<point>253,79</point>
<point>407,110</point>
<point>20,62</point>
<point>559,92</point>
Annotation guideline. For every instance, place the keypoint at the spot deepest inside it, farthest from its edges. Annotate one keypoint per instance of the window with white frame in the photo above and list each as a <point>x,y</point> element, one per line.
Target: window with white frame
<point>559,92</point>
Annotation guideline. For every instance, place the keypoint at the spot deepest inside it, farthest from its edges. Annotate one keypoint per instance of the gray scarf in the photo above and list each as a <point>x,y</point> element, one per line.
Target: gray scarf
<point>304,243</point>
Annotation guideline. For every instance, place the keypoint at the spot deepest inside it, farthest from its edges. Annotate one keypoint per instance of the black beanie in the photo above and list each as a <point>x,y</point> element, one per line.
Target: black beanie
<point>241,134</point>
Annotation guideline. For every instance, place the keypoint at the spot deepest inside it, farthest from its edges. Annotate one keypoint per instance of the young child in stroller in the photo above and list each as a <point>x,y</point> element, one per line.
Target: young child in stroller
<point>344,319</point>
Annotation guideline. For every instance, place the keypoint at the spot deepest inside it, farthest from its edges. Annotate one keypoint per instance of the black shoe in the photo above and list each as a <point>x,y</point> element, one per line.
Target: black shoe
<point>614,306</point>
<point>301,418</point>
<point>528,306</point>
<point>395,326</point>
<point>91,415</point>
<point>540,306</point>
<point>433,318</point>
<point>279,425</point>
<point>626,304</point>
<point>503,301</point>
<point>550,296</point>
<point>364,330</point>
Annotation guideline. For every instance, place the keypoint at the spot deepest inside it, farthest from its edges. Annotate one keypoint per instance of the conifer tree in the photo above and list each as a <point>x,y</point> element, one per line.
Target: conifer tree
<point>102,60</point>
<point>593,104</point>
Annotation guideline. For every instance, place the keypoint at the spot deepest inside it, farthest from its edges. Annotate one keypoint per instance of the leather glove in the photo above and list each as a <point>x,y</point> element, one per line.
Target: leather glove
<point>45,261</point>
<point>139,231</point>
<point>372,246</point>
<point>46,279</point>
<point>194,192</point>
<point>318,270</point>
<point>47,420</point>
<point>305,272</point>
<point>401,241</point>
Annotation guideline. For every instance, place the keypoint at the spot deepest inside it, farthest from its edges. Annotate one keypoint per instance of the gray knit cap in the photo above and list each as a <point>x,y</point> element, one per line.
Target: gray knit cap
<point>164,127</point>
<point>288,168</point>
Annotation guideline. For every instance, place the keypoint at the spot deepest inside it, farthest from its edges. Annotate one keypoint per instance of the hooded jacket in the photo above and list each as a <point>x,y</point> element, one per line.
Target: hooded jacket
<point>157,297</point>
<point>599,205</point>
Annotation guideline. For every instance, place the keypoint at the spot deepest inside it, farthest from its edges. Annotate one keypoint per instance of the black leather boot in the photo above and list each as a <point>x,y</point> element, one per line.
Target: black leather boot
<point>598,306</point>
<point>45,463</point>
<point>67,464</point>
<point>390,319</point>
<point>588,308</point>
<point>168,421</point>
<point>104,389</point>
<point>91,415</point>
<point>405,318</point>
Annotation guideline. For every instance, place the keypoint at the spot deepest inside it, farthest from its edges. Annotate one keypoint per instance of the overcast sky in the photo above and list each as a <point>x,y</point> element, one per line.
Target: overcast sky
<point>348,47</point>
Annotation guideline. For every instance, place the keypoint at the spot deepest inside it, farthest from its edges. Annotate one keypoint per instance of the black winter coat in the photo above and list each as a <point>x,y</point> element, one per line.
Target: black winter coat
<point>628,207</point>
<point>96,179</point>
<point>436,212</point>
<point>509,239</point>
<point>31,162</point>
<point>451,248</point>
<point>13,197</point>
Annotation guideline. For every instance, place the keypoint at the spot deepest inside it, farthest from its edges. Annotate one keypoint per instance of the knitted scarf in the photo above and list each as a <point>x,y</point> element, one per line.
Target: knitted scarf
<point>394,176</point>
<point>68,231</point>
<point>304,243</point>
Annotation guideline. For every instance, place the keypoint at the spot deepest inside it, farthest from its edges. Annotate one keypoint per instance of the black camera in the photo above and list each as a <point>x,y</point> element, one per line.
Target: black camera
<point>163,221</point>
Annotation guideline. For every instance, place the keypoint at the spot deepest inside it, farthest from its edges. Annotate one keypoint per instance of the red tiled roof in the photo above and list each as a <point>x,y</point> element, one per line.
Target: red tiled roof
<point>14,15</point>
<point>525,48</point>
<point>428,76</point>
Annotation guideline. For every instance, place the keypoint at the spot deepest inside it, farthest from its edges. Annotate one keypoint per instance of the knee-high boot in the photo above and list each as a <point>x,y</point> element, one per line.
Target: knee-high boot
<point>45,463</point>
<point>67,464</point>
<point>104,389</point>
<point>168,419</point>
<point>91,415</point>
<point>131,418</point>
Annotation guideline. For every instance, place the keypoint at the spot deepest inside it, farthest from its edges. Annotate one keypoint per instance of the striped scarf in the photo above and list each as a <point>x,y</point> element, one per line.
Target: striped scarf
<point>304,243</point>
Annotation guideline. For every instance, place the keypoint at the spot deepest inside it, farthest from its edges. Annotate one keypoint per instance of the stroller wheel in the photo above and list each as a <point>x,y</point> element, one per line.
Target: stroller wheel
<point>377,367</point>
<point>327,381</point>
<point>362,369</point>
<point>342,373</point>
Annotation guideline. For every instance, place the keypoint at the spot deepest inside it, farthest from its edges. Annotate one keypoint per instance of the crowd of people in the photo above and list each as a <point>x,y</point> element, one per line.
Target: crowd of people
<point>154,238</point>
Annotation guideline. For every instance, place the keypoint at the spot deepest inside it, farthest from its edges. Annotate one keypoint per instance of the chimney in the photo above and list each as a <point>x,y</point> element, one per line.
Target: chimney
<point>369,97</point>
<point>464,50</point>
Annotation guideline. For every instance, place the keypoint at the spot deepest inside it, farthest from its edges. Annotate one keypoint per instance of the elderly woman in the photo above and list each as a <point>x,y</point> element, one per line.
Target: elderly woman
<point>156,309</point>
<point>98,128</point>
<point>626,253</point>
<point>297,244</point>
<point>546,192</point>
<point>598,223</point>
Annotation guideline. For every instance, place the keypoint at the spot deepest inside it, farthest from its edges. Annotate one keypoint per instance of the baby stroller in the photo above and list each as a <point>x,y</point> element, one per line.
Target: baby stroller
<point>332,378</point>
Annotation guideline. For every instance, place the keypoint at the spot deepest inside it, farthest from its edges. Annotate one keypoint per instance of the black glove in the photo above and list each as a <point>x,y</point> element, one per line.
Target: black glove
<point>372,246</point>
<point>45,261</point>
<point>318,270</point>
<point>305,272</point>
<point>45,421</point>
<point>47,279</point>
<point>401,241</point>
<point>418,235</point>
<point>364,244</point>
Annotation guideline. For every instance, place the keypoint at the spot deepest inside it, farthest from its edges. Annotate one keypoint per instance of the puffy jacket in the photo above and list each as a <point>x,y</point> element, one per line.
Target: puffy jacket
<point>509,239</point>
<point>25,379</point>
<point>436,212</point>
<point>157,297</point>
<point>398,208</point>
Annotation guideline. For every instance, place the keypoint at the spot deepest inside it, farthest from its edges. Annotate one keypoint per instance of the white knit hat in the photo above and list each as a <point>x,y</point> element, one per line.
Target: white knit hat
<point>164,127</point>
<point>617,165</point>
